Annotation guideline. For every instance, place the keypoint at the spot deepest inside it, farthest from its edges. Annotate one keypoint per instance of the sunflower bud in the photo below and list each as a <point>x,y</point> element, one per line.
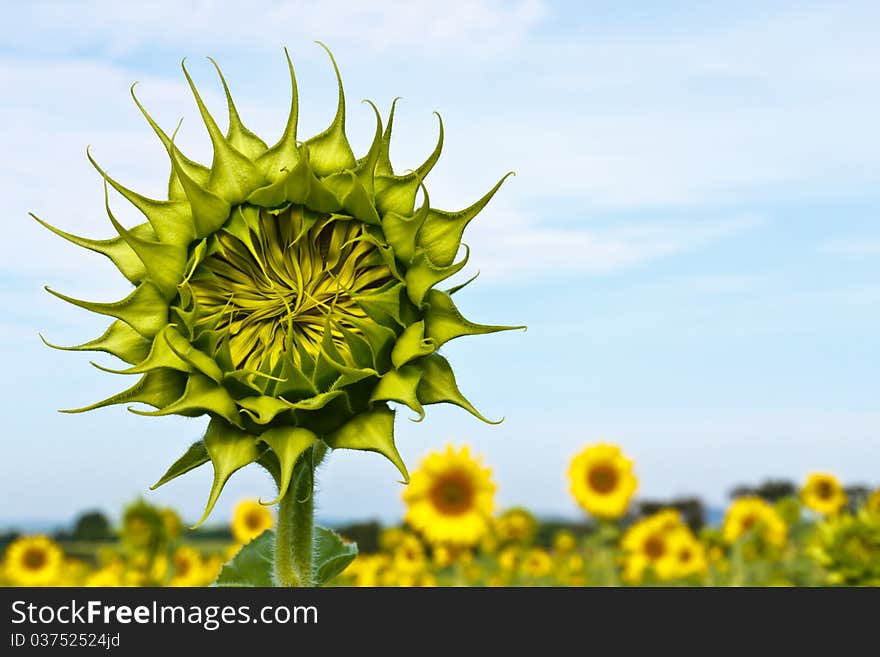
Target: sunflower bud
<point>287,292</point>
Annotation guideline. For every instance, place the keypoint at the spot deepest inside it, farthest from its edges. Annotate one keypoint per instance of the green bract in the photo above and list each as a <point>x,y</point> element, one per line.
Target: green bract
<point>286,292</point>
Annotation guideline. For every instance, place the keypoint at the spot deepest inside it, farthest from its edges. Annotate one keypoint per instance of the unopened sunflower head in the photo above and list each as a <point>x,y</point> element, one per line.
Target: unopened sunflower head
<point>288,292</point>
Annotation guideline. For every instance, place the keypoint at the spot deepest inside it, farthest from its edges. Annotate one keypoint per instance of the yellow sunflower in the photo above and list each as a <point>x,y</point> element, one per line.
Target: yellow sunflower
<point>564,542</point>
<point>685,556</point>
<point>515,525</point>
<point>537,563</point>
<point>34,561</point>
<point>823,493</point>
<point>602,481</point>
<point>450,498</point>
<point>188,567</point>
<point>367,569</point>
<point>409,555</point>
<point>647,542</point>
<point>249,520</point>
<point>753,514</point>
<point>510,558</point>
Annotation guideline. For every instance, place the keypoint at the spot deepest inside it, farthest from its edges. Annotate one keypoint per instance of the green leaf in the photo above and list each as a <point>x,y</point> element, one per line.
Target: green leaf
<point>332,555</point>
<point>253,565</point>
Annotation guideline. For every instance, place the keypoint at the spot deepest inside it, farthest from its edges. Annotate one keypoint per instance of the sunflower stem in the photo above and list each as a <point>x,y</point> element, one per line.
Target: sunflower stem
<point>294,535</point>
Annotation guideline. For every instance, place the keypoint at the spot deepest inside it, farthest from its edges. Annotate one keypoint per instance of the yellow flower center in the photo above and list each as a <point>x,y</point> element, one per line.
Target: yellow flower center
<point>602,478</point>
<point>271,293</point>
<point>452,494</point>
<point>34,558</point>
<point>748,522</point>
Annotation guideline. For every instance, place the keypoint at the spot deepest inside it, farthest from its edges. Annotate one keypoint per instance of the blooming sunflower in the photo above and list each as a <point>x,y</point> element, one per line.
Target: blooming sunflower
<point>409,555</point>
<point>536,563</point>
<point>823,493</point>
<point>286,292</point>
<point>752,514</point>
<point>187,567</point>
<point>33,561</point>
<point>564,542</point>
<point>450,498</point>
<point>602,480</point>
<point>685,556</point>
<point>647,543</point>
<point>516,525</point>
<point>249,520</point>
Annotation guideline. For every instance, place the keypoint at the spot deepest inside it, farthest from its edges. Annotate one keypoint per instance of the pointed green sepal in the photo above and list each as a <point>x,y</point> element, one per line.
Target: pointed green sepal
<point>437,385</point>
<point>230,450</point>
<point>164,263</point>
<point>288,443</point>
<point>372,431</point>
<point>400,386</point>
<point>381,340</point>
<point>422,274</point>
<point>353,196</point>
<point>284,155</point>
<point>160,356</point>
<point>382,305</point>
<point>233,175</point>
<point>456,288</point>
<point>401,230</point>
<point>412,344</point>
<point>197,172</point>
<point>209,211</point>
<point>189,354</point>
<point>157,389</point>
<point>263,409</point>
<point>242,139</point>
<point>443,321</point>
<point>119,340</point>
<point>119,253</point>
<point>194,457</point>
<point>441,232</point>
<point>170,220</point>
<point>145,309</point>
<point>201,396</point>
<point>299,185</point>
<point>366,166</point>
<point>330,150</point>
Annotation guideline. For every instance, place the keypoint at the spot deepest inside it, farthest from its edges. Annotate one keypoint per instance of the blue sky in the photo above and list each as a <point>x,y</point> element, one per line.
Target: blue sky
<point>692,236</point>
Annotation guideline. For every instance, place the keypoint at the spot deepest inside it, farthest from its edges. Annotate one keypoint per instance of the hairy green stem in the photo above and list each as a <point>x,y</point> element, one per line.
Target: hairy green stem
<point>294,535</point>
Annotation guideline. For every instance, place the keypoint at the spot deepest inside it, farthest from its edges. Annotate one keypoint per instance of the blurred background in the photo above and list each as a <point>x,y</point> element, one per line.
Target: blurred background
<point>692,235</point>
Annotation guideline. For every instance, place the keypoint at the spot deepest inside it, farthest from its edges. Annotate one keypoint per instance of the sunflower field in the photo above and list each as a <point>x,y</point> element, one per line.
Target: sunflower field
<point>453,535</point>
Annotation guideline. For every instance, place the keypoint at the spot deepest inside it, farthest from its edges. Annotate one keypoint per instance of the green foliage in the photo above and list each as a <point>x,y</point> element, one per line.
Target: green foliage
<point>253,565</point>
<point>332,555</point>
